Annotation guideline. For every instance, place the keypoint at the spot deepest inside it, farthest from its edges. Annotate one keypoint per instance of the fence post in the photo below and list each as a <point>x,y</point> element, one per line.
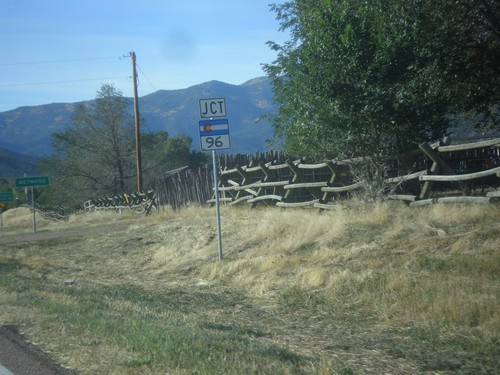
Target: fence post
<point>297,176</point>
<point>438,163</point>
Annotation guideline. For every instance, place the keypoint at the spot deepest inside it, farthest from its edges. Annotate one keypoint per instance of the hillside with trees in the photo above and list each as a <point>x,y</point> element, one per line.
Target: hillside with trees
<point>95,156</point>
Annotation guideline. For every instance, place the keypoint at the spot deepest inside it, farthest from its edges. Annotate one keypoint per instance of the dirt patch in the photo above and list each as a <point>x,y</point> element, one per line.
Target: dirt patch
<point>48,235</point>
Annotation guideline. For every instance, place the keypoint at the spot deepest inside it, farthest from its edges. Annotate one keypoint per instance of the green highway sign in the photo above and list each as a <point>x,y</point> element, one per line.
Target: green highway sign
<point>6,197</point>
<point>32,181</point>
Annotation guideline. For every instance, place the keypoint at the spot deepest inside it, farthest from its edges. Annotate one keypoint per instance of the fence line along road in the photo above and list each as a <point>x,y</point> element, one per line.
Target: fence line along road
<point>435,173</point>
<point>461,170</point>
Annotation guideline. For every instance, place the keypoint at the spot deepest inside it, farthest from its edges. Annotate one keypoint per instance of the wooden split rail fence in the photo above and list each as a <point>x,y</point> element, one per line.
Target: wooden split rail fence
<point>141,202</point>
<point>294,183</point>
<point>56,213</point>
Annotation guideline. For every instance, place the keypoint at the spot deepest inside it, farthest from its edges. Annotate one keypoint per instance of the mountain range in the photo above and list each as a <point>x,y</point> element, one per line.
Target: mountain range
<point>27,130</point>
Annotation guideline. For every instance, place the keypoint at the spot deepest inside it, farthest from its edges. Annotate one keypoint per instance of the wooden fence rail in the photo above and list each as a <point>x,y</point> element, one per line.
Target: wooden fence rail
<point>56,213</point>
<point>141,202</point>
<point>294,183</point>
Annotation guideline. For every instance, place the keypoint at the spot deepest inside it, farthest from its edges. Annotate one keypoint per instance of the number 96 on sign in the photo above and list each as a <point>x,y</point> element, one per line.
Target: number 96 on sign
<point>216,142</point>
<point>214,135</point>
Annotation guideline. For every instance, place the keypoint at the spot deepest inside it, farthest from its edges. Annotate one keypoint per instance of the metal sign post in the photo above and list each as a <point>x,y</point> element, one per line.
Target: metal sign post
<point>217,205</point>
<point>31,182</point>
<point>1,217</point>
<point>214,135</point>
<point>33,208</point>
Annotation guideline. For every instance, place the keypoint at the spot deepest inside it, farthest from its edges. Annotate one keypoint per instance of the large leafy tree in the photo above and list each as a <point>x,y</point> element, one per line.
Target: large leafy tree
<point>96,154</point>
<point>365,77</point>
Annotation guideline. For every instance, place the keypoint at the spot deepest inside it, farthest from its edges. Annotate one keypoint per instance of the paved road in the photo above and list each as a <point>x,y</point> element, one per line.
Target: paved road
<point>19,357</point>
<point>4,371</point>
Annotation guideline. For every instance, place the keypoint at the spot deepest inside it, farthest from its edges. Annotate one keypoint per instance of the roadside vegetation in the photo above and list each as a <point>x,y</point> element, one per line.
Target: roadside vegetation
<point>367,288</point>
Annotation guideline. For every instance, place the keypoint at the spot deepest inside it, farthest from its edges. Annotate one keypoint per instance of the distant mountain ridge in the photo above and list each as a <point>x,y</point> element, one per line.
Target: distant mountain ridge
<point>27,130</point>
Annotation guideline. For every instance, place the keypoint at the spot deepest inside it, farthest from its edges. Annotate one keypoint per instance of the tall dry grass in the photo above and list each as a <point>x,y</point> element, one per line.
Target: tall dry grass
<point>435,265</point>
<point>20,220</point>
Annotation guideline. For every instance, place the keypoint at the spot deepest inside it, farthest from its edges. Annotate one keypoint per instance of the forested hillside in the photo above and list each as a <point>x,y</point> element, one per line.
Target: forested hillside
<point>13,164</point>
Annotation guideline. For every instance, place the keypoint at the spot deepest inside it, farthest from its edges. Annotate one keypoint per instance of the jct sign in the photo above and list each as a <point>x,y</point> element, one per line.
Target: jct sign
<point>214,132</point>
<point>212,108</point>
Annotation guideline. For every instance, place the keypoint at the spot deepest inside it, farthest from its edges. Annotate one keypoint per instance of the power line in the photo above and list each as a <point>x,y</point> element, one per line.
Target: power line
<point>147,79</point>
<point>59,61</point>
<point>57,82</point>
<point>70,81</point>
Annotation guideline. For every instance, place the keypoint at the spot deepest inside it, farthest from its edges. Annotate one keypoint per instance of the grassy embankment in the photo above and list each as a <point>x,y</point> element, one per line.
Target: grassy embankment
<point>365,289</point>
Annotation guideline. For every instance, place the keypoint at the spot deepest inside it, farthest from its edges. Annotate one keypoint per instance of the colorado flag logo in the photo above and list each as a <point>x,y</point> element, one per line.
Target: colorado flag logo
<point>212,128</point>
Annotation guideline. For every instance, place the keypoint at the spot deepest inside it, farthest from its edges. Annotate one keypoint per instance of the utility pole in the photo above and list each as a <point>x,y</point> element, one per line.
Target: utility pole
<point>137,125</point>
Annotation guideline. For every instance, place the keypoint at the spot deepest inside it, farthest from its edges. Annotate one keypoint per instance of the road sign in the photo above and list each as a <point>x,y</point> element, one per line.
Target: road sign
<point>210,108</point>
<point>32,181</point>
<point>214,135</point>
<point>6,197</point>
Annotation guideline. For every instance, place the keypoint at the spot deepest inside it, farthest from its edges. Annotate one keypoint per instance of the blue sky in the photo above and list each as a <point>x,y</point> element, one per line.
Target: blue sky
<point>63,50</point>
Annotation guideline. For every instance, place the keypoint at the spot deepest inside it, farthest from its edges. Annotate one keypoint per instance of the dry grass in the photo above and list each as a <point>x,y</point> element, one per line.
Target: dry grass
<point>383,286</point>
<point>349,250</point>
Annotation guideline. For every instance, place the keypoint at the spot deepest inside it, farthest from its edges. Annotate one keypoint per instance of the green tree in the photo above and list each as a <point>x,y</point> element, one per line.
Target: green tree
<point>162,153</point>
<point>96,154</point>
<point>462,38</point>
<point>362,77</point>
